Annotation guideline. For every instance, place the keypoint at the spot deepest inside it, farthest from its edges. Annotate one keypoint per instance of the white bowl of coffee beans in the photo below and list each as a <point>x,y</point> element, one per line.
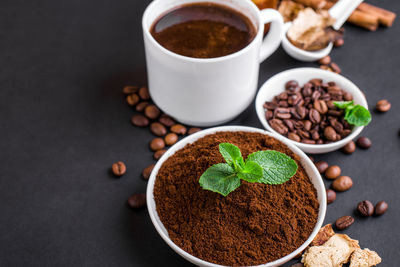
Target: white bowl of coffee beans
<point>299,104</point>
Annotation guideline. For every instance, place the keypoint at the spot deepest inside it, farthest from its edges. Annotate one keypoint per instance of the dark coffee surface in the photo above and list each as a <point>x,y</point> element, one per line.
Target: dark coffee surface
<point>203,30</point>
<point>64,121</point>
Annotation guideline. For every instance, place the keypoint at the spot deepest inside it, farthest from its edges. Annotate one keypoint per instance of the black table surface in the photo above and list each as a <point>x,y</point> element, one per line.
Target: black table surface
<point>64,121</point>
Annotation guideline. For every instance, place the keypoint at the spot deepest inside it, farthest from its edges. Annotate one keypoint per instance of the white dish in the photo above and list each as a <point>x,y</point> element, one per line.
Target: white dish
<point>309,167</point>
<point>276,85</point>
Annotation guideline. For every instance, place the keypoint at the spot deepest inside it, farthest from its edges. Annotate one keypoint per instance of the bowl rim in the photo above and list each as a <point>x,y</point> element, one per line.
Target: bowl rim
<point>309,147</point>
<point>318,185</point>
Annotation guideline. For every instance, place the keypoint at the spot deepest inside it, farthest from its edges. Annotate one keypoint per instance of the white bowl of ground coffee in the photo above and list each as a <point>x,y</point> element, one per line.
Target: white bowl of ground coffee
<point>255,225</point>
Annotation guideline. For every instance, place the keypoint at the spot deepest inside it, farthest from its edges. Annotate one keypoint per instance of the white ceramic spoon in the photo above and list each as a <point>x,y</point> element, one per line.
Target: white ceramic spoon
<point>340,11</point>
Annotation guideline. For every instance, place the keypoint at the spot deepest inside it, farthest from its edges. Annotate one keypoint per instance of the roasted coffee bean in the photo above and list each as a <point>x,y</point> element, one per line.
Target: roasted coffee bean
<point>118,168</point>
<point>157,144</point>
<point>307,141</point>
<point>347,96</point>
<point>315,135</point>
<point>140,120</point>
<point>383,105</point>
<point>315,82</point>
<point>147,171</point>
<point>283,103</point>
<point>333,172</point>
<point>278,126</point>
<point>171,139</point>
<point>339,42</point>
<point>129,89</point>
<point>294,137</point>
<point>336,113</point>
<point>307,125</point>
<point>269,114</point>
<point>158,129</point>
<point>326,67</point>
<point>343,183</point>
<point>283,96</point>
<point>349,148</point>
<point>157,155</point>
<point>152,112</point>
<point>365,208</point>
<point>344,222</point>
<point>193,130</point>
<point>320,106</point>
<point>137,201</point>
<point>178,129</point>
<point>336,125</point>
<point>289,124</point>
<point>335,68</point>
<point>141,106</point>
<point>298,124</point>
<point>321,166</point>
<point>144,93</point>
<point>325,60</point>
<point>330,196</point>
<point>132,99</point>
<point>314,116</point>
<point>311,158</point>
<point>291,84</point>
<point>304,134</point>
<point>166,120</point>
<point>330,133</point>
<point>381,207</point>
<point>270,105</point>
<point>364,142</point>
<point>283,116</point>
<point>307,89</point>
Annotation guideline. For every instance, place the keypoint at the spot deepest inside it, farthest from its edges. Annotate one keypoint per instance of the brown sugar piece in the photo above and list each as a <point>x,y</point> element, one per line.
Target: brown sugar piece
<point>289,10</point>
<point>364,258</point>
<point>255,224</point>
<point>334,253</point>
<point>323,235</point>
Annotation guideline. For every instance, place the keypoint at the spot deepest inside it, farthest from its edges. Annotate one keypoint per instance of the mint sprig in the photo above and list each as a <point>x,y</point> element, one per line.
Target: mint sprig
<point>268,167</point>
<point>354,114</point>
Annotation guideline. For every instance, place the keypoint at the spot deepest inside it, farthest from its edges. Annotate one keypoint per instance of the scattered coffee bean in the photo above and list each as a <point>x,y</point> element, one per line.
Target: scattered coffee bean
<point>338,42</point>
<point>118,168</point>
<point>139,120</point>
<point>365,208</point>
<point>343,183</point>
<point>132,99</point>
<point>129,89</point>
<point>322,166</point>
<point>178,129</point>
<point>193,130</point>
<point>326,67</point>
<point>344,222</point>
<point>307,114</point>
<point>147,171</point>
<point>364,142</point>
<point>144,93</point>
<point>141,106</point>
<point>158,129</point>
<point>333,172</point>
<point>325,60</point>
<point>152,112</point>
<point>383,105</point>
<point>311,158</point>
<point>349,148</point>
<point>167,120</point>
<point>137,201</point>
<point>158,154</point>
<point>381,207</point>
<point>157,144</point>
<point>330,196</point>
<point>335,68</point>
<point>171,139</point>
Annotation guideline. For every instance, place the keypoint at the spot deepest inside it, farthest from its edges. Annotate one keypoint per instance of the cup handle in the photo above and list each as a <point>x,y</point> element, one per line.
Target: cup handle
<point>273,39</point>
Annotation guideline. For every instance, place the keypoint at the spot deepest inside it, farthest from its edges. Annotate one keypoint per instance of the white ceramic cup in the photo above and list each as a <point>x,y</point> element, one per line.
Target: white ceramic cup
<point>208,91</point>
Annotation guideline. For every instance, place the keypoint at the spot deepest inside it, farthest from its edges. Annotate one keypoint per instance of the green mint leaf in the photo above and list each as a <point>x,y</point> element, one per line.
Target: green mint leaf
<point>343,104</point>
<point>232,155</point>
<point>252,172</point>
<point>277,167</point>
<point>358,116</point>
<point>220,178</point>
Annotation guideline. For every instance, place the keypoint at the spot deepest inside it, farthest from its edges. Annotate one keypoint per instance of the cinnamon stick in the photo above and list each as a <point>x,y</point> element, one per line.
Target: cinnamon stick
<point>385,17</point>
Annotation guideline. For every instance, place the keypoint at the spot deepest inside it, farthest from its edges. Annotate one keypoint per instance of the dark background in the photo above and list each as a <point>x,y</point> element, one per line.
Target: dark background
<point>64,121</point>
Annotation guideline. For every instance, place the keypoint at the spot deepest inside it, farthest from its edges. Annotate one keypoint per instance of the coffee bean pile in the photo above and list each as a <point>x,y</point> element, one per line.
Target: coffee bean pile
<point>307,114</point>
<point>164,127</point>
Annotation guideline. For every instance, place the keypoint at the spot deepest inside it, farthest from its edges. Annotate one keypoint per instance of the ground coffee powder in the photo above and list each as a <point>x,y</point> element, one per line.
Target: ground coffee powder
<point>254,224</point>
